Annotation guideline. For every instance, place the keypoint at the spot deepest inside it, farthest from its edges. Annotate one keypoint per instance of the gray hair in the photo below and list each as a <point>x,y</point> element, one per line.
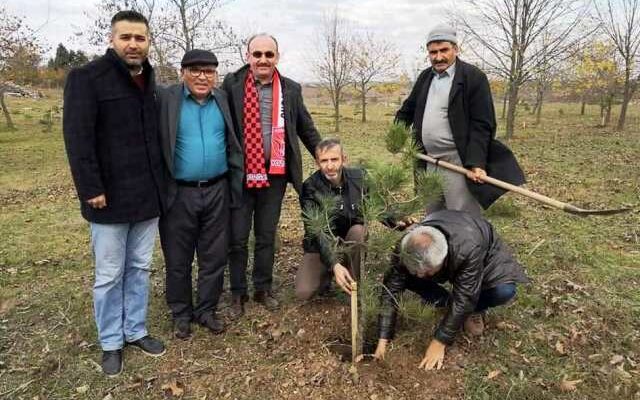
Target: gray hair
<point>418,257</point>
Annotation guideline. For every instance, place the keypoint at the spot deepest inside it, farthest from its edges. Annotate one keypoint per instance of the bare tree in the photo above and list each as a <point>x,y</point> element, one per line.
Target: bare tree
<point>620,20</point>
<point>20,54</point>
<point>335,60</point>
<point>375,59</point>
<point>176,26</point>
<point>511,32</point>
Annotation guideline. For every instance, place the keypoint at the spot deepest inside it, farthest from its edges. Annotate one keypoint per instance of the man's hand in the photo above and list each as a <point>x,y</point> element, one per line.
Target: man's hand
<point>405,222</point>
<point>476,174</point>
<point>98,201</point>
<point>343,277</point>
<point>434,356</point>
<point>381,348</point>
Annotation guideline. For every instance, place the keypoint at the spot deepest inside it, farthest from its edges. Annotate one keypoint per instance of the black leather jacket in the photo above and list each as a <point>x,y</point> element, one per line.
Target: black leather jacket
<point>477,260</point>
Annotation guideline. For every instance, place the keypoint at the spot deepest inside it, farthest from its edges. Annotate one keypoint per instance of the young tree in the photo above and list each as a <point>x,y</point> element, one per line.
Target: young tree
<point>620,21</point>
<point>511,32</point>
<point>374,59</point>
<point>335,61</point>
<point>20,54</point>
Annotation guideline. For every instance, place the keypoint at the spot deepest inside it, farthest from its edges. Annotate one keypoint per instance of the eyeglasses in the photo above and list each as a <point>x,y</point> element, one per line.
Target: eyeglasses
<point>259,54</point>
<point>208,72</point>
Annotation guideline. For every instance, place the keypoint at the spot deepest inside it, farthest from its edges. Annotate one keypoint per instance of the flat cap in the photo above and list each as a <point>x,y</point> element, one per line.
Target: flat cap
<point>442,33</point>
<point>199,57</point>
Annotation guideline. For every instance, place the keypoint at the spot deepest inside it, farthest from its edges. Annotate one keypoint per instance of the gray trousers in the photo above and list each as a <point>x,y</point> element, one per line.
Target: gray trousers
<point>197,222</point>
<point>456,194</point>
<point>313,275</point>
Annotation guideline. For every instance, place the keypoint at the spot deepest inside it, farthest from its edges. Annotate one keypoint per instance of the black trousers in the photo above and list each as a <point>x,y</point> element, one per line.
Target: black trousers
<point>197,222</point>
<point>262,208</point>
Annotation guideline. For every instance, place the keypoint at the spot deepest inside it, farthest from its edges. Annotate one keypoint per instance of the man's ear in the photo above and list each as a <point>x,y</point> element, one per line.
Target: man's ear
<point>345,159</point>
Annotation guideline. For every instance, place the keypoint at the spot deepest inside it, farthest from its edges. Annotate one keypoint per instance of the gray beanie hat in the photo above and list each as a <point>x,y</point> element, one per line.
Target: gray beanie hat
<point>442,33</point>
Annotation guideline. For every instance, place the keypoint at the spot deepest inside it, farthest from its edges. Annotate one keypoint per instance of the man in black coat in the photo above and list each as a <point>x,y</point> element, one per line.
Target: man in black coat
<point>342,188</point>
<point>270,117</point>
<point>111,137</point>
<point>202,155</point>
<point>455,247</point>
<point>453,118</point>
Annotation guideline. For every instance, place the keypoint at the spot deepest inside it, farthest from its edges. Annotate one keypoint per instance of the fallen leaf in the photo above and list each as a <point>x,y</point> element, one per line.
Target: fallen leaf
<point>560,348</point>
<point>569,386</point>
<point>173,388</point>
<point>493,374</point>
<point>616,359</point>
<point>82,389</point>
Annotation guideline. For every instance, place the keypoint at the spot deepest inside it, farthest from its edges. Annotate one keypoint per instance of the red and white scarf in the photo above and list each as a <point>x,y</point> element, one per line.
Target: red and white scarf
<point>254,162</point>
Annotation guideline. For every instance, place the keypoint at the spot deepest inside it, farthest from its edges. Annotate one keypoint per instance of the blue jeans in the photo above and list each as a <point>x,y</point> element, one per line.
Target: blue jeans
<point>120,294</point>
<point>438,296</point>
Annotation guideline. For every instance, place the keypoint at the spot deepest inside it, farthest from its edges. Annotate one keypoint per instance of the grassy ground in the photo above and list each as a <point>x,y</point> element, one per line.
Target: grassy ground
<point>573,334</point>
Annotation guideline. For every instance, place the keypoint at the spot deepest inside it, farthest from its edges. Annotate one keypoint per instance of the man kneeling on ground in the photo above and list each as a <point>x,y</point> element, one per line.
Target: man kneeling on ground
<point>456,247</point>
<point>346,185</point>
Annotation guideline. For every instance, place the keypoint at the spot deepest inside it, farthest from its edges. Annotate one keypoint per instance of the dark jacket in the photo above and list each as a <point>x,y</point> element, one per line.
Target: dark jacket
<point>473,124</point>
<point>170,102</point>
<point>298,122</point>
<point>111,136</point>
<point>477,260</point>
<point>348,210</point>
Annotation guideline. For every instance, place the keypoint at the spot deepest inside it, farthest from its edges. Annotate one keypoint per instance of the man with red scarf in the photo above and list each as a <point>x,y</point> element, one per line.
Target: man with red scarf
<point>270,116</point>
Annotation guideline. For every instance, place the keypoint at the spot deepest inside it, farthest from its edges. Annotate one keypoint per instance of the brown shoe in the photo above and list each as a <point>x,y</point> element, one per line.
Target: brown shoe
<point>265,297</point>
<point>474,324</point>
<point>212,322</point>
<point>237,306</point>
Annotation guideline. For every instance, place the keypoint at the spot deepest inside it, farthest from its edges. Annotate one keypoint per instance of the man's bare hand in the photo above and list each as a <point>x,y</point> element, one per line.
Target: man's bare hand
<point>434,356</point>
<point>98,202</point>
<point>343,277</point>
<point>476,174</point>
<point>381,348</point>
<point>405,222</point>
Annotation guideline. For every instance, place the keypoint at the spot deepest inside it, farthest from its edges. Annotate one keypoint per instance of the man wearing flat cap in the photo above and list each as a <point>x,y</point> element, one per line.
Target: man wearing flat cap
<point>202,157</point>
<point>451,111</point>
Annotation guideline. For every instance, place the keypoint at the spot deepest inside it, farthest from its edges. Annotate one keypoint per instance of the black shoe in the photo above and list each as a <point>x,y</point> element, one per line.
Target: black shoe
<point>212,322</point>
<point>149,346</point>
<point>265,297</point>
<point>237,306</point>
<point>112,362</point>
<point>182,328</point>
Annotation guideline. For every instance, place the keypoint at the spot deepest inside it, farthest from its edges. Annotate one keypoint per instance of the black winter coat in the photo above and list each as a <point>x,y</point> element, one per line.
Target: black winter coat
<point>473,124</point>
<point>348,213</point>
<point>477,260</point>
<point>298,122</point>
<point>111,136</point>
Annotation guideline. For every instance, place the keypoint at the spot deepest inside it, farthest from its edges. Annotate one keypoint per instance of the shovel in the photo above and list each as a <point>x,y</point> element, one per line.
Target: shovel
<point>570,208</point>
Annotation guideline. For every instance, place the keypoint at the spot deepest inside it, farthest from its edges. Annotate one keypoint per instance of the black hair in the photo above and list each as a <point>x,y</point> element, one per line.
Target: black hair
<point>129,15</point>
<point>327,144</point>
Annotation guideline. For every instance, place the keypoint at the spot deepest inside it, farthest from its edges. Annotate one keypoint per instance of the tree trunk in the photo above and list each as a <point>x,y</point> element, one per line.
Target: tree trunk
<point>363,99</point>
<point>511,110</point>
<point>5,111</point>
<point>336,112</point>
<point>625,98</point>
<point>583,106</point>
<point>539,109</point>
<point>607,117</point>
<point>504,103</point>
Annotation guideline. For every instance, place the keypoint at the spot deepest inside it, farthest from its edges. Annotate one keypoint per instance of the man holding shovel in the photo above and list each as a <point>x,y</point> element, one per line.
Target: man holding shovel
<point>451,111</point>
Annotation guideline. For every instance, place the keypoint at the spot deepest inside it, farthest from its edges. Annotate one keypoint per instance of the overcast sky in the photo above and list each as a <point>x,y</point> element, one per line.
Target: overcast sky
<point>293,22</point>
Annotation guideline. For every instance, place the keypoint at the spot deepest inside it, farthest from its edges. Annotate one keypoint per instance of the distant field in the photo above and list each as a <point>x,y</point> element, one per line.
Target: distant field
<point>573,334</point>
